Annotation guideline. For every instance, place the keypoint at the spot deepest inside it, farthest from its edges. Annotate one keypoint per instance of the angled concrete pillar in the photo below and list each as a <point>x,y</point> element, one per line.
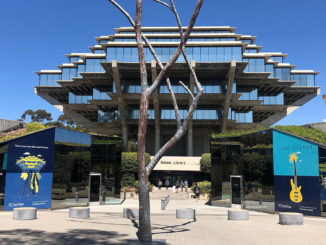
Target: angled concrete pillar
<point>121,104</point>
<point>228,95</point>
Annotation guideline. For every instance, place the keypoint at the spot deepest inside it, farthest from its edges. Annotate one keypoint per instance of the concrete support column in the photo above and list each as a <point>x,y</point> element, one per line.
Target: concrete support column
<point>125,138</point>
<point>228,95</point>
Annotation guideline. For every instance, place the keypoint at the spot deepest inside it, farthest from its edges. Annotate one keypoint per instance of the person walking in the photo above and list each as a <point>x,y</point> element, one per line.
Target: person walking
<point>185,183</point>
<point>181,185</point>
<point>159,184</point>
<point>167,184</point>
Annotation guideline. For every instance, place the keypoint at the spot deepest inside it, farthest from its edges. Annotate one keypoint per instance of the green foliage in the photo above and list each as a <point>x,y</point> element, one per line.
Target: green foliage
<point>129,168</point>
<point>34,126</point>
<point>237,132</point>
<point>30,128</point>
<point>150,186</point>
<point>204,186</point>
<point>205,162</point>
<point>254,164</point>
<point>127,180</point>
<point>39,116</point>
<point>308,133</point>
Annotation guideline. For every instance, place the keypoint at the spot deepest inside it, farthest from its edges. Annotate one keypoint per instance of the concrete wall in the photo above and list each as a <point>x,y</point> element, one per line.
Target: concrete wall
<point>321,126</point>
<point>8,124</point>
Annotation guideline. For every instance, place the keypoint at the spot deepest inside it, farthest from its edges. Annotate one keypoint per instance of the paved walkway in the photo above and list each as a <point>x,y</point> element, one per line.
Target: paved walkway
<point>106,226</point>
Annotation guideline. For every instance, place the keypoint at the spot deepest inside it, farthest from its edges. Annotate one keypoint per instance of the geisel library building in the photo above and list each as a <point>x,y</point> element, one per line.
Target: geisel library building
<point>243,87</point>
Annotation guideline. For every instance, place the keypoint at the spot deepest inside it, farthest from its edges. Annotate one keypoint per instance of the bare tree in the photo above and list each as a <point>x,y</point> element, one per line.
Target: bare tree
<point>144,171</point>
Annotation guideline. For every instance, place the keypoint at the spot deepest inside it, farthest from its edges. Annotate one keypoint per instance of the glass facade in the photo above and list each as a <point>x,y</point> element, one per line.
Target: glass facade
<point>255,65</point>
<point>250,156</point>
<point>79,99</point>
<point>303,80</point>
<point>282,73</point>
<point>108,116</point>
<point>72,156</point>
<point>133,113</point>
<point>94,65</point>
<point>199,39</point>
<point>101,94</point>
<point>76,156</point>
<point>272,100</point>
<point>68,74</point>
<point>247,93</point>
<point>49,79</point>
<point>241,117</point>
<point>200,54</point>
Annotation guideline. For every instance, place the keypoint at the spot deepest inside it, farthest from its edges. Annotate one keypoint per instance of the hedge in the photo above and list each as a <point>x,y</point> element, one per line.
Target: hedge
<point>205,162</point>
<point>129,168</point>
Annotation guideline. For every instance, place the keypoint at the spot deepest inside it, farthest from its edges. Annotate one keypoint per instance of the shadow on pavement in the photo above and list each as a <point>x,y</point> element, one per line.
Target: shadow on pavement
<point>72,237</point>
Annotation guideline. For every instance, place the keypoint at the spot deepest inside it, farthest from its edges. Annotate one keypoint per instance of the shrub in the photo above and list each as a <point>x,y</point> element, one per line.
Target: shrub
<point>129,168</point>
<point>34,126</point>
<point>205,162</point>
<point>205,187</point>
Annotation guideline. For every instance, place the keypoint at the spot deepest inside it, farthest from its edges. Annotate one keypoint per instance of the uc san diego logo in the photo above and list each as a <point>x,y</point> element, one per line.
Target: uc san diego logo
<point>31,166</point>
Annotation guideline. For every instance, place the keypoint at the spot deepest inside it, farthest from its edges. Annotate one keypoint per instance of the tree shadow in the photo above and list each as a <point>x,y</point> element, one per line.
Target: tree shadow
<point>161,229</point>
<point>72,237</point>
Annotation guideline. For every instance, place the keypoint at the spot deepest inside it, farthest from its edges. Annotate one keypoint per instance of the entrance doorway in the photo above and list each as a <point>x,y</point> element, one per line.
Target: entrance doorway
<point>94,188</point>
<point>236,191</point>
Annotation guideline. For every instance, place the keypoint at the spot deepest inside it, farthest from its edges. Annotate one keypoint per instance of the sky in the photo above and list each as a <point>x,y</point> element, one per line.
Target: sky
<point>36,34</point>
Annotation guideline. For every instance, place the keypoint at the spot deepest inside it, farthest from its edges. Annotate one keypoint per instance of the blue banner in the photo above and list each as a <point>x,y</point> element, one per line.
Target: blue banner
<point>29,171</point>
<point>296,174</point>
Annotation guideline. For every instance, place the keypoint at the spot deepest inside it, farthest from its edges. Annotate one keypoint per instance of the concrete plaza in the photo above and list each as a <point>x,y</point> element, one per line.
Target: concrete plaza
<point>107,226</point>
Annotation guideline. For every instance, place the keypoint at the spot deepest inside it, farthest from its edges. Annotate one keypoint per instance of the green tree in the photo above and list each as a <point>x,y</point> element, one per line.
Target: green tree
<point>205,162</point>
<point>40,116</point>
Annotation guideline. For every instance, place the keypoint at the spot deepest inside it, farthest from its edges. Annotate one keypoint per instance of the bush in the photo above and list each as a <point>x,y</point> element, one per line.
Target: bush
<point>129,168</point>
<point>150,186</point>
<point>127,180</point>
<point>34,126</point>
<point>205,162</point>
<point>205,187</point>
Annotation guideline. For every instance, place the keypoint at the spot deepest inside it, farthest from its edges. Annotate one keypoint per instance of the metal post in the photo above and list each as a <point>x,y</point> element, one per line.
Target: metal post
<point>163,203</point>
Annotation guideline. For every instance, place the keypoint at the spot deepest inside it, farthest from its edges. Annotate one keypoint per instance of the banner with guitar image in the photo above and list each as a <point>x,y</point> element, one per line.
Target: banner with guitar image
<point>296,174</point>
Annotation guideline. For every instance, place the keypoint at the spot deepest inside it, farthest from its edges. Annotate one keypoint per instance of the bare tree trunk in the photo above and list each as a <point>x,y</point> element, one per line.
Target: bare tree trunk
<point>144,230</point>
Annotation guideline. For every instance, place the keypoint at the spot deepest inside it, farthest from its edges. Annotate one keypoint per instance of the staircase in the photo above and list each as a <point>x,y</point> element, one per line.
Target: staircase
<point>158,194</point>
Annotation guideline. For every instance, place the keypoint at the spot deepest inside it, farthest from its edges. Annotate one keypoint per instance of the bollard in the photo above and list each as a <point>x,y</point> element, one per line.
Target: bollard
<point>168,199</point>
<point>163,203</point>
<point>260,200</point>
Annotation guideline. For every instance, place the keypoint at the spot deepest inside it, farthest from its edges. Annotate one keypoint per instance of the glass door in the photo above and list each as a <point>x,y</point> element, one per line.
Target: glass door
<point>94,188</point>
<point>236,190</point>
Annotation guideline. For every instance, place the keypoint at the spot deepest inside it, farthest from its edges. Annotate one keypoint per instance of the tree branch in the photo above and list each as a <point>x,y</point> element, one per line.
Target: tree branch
<point>187,89</point>
<point>179,49</point>
<point>163,3</point>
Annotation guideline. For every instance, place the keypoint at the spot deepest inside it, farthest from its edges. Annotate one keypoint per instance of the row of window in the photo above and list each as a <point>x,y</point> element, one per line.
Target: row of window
<point>176,32</point>
<point>272,100</point>
<point>303,79</point>
<point>169,114</point>
<point>200,54</point>
<point>248,93</point>
<point>250,50</point>
<point>49,79</point>
<point>219,39</point>
<point>241,117</point>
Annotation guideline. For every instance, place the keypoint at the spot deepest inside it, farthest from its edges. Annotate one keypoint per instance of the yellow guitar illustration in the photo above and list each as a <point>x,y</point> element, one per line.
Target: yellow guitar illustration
<point>295,194</point>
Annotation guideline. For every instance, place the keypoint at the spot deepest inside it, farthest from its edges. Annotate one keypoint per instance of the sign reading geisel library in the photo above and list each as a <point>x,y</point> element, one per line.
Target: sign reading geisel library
<point>296,175</point>
<point>29,171</point>
<point>172,163</point>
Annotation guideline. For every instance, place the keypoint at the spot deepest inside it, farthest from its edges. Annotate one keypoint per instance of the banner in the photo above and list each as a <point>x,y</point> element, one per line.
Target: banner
<point>296,175</point>
<point>29,171</point>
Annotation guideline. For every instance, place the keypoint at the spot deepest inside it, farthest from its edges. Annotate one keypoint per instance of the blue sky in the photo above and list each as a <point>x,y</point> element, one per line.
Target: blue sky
<point>36,35</point>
